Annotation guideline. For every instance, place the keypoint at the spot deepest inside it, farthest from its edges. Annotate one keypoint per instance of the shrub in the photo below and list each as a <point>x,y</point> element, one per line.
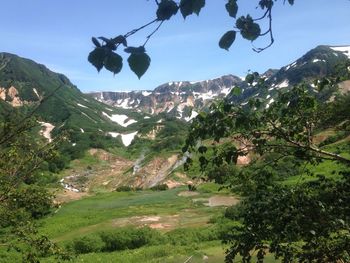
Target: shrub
<point>87,244</point>
<point>124,188</point>
<point>128,238</point>
<point>160,187</point>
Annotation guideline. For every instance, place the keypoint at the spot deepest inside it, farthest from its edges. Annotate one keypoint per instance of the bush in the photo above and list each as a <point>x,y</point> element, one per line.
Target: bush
<point>160,187</point>
<point>129,238</point>
<point>124,188</point>
<point>187,236</point>
<point>87,244</point>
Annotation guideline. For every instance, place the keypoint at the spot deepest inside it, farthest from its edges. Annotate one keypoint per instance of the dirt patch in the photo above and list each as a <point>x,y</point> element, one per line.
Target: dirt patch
<point>160,226</point>
<point>150,219</point>
<point>188,193</point>
<point>220,200</point>
<point>243,160</point>
<point>344,87</point>
<point>156,222</point>
<point>173,184</point>
<point>68,196</point>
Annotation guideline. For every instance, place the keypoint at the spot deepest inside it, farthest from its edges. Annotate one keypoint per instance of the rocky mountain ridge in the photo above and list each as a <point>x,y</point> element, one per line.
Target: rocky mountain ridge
<point>184,99</point>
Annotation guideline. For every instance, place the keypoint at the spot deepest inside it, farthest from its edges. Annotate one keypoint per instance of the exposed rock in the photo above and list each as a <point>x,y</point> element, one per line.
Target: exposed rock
<point>46,130</point>
<point>3,93</point>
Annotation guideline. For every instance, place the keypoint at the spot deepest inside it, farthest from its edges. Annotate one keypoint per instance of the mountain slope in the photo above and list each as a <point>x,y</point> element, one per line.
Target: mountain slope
<point>24,83</point>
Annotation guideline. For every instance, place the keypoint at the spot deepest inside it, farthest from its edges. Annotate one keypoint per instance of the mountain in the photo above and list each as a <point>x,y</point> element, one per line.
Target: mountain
<point>183,99</point>
<point>88,123</point>
<point>177,99</point>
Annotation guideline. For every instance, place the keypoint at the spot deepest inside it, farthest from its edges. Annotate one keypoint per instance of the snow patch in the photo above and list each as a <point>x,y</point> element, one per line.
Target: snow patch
<point>291,65</point>
<point>269,103</point>
<point>146,93</point>
<point>81,105</point>
<point>88,117</point>
<point>193,115</point>
<point>343,49</point>
<point>36,93</point>
<point>226,91</point>
<point>126,138</point>
<point>283,84</point>
<point>120,119</point>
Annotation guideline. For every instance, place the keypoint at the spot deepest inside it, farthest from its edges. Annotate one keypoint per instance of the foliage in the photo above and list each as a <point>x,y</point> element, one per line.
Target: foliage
<point>124,188</point>
<point>127,238</point>
<point>105,52</point>
<point>160,187</point>
<point>304,222</point>
<point>87,244</point>
<point>23,199</point>
<point>308,223</point>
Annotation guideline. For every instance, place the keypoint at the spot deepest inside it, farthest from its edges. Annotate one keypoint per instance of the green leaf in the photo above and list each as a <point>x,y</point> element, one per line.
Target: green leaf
<point>227,39</point>
<point>197,6</point>
<point>202,149</point>
<point>249,78</point>
<point>236,91</point>
<point>97,57</point>
<point>135,50</point>
<point>188,7</point>
<point>113,62</point>
<point>139,63</point>
<point>95,41</point>
<point>166,9</point>
<point>232,8</point>
<point>266,4</point>
<point>249,29</point>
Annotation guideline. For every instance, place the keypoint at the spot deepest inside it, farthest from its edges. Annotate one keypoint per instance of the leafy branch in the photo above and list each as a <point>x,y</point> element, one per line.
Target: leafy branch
<point>105,53</point>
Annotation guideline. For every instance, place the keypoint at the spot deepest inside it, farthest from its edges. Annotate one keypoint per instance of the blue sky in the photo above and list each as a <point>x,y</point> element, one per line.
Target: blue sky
<point>57,33</point>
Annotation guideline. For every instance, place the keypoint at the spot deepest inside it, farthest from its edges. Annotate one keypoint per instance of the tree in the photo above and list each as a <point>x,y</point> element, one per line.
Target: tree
<point>106,50</point>
<point>22,198</point>
<point>306,222</point>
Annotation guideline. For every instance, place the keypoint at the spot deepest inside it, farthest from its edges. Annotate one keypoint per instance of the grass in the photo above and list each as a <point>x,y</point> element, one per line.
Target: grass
<point>108,210</point>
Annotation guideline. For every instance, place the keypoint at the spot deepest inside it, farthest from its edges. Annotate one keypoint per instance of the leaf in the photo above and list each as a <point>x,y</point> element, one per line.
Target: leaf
<point>202,149</point>
<point>113,62</point>
<point>109,43</point>
<point>236,91</point>
<point>97,57</point>
<point>135,50</point>
<point>197,6</point>
<point>249,78</point>
<point>95,41</point>
<point>249,29</point>
<point>139,63</point>
<point>266,4</point>
<point>166,9</point>
<point>188,7</point>
<point>232,8</point>
<point>227,39</point>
